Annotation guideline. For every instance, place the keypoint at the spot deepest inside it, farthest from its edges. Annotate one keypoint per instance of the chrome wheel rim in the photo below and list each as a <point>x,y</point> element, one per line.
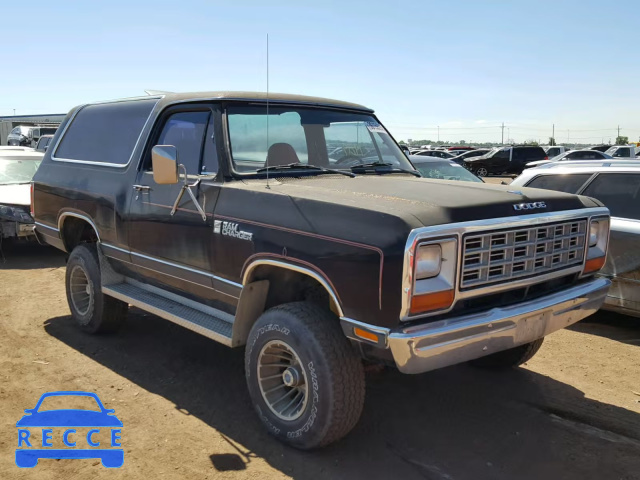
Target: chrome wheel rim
<point>81,291</point>
<point>482,172</point>
<point>282,380</point>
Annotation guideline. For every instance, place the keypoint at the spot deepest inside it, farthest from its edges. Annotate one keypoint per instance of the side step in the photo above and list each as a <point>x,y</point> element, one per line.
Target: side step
<point>205,320</point>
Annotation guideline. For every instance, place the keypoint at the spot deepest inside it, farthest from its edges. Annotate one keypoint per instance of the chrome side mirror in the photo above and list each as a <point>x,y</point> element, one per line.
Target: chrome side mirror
<point>164,159</point>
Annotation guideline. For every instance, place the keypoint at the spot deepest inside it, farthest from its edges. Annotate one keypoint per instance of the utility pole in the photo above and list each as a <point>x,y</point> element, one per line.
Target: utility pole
<point>553,133</point>
<point>14,112</point>
<point>438,133</point>
<point>618,130</point>
<point>502,133</point>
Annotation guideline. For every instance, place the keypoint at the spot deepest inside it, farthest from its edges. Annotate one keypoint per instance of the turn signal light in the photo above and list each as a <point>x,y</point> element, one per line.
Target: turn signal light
<point>594,264</point>
<point>431,301</point>
<point>359,332</point>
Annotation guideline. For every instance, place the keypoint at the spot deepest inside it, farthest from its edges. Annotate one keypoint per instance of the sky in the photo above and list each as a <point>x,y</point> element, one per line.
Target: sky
<point>463,66</point>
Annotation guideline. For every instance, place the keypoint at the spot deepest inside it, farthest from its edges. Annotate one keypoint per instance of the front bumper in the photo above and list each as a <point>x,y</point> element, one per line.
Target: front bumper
<point>425,347</point>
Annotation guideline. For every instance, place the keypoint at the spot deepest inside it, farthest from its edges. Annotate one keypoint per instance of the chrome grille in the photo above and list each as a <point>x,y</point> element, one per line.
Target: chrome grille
<point>501,256</point>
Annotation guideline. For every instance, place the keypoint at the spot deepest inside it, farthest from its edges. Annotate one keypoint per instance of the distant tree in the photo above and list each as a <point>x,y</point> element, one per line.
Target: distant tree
<point>552,141</point>
<point>462,142</point>
<point>622,140</point>
<point>531,142</point>
<point>401,142</point>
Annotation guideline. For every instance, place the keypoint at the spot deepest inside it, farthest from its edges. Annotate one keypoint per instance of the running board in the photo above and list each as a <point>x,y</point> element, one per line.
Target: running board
<point>202,319</point>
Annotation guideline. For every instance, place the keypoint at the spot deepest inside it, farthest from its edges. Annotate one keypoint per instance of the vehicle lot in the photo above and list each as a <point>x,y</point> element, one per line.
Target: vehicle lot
<point>572,412</point>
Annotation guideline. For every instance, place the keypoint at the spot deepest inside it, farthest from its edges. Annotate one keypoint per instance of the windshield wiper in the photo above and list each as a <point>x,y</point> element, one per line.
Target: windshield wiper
<point>382,167</point>
<point>303,166</point>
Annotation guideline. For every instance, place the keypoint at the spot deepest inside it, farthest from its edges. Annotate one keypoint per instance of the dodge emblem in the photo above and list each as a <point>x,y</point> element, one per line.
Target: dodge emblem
<point>529,206</point>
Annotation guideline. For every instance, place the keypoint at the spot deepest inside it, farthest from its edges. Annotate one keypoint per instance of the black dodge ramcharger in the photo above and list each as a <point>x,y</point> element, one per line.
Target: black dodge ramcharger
<point>295,227</point>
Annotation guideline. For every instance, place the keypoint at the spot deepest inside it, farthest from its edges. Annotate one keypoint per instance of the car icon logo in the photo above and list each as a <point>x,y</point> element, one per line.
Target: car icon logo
<point>81,433</point>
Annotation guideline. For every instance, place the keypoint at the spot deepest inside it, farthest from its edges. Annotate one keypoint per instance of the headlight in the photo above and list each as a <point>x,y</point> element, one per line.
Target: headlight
<point>428,261</point>
<point>434,273</point>
<point>597,246</point>
<point>594,232</point>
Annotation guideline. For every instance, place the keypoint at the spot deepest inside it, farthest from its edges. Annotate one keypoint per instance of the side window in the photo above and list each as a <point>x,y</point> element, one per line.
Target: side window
<point>186,131</point>
<point>561,183</point>
<point>504,154</point>
<point>622,153</point>
<point>105,133</point>
<point>619,192</point>
<point>15,131</point>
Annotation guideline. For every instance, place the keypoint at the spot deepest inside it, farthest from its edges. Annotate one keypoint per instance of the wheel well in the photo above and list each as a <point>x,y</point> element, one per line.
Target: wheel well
<point>270,285</point>
<point>75,231</point>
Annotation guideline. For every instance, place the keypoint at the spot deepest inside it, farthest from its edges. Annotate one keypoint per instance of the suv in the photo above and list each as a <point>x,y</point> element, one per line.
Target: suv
<point>294,227</point>
<point>617,185</point>
<point>505,160</point>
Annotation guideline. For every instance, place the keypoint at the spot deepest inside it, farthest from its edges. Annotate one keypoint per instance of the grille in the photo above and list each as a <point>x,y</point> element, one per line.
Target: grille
<point>501,256</point>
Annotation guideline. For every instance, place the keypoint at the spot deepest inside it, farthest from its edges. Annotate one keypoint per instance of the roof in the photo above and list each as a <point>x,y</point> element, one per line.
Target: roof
<point>252,96</point>
<point>428,158</point>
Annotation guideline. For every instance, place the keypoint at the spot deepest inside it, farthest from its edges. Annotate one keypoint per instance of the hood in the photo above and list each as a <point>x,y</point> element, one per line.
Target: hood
<point>15,194</point>
<point>537,163</point>
<point>323,200</point>
<point>479,157</point>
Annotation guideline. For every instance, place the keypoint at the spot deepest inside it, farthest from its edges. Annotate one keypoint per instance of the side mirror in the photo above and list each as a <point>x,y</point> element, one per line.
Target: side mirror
<point>164,159</point>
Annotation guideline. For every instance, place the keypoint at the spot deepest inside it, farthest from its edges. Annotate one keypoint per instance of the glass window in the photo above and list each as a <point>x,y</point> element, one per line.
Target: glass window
<point>105,133</point>
<point>502,154</point>
<point>326,138</point>
<point>619,192</point>
<point>562,183</point>
<point>445,170</point>
<point>17,171</point>
<point>186,131</point>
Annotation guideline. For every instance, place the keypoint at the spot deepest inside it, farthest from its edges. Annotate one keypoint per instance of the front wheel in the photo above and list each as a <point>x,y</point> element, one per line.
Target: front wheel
<point>514,357</point>
<point>305,380</point>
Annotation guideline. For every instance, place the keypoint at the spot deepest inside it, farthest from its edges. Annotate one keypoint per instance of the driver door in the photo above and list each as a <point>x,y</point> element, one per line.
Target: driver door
<point>175,250</point>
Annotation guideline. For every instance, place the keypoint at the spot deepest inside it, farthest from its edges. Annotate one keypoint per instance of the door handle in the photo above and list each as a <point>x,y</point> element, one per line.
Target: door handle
<point>142,188</point>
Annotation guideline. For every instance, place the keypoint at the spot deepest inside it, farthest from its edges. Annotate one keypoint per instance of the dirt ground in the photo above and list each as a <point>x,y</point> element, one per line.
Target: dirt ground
<point>573,412</point>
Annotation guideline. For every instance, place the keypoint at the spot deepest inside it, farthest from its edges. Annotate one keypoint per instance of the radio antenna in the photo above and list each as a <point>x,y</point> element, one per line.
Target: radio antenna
<point>267,161</point>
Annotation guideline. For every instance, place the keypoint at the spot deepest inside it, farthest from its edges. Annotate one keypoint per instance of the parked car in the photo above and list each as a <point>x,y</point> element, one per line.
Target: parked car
<point>617,185</point>
<point>28,135</point>
<point>572,155</point>
<point>623,151</point>
<point>308,263</point>
<point>435,153</point>
<point>470,153</point>
<point>554,150</point>
<point>503,160</point>
<point>459,149</point>
<point>600,148</point>
<point>16,173</point>
<point>43,143</point>
<point>442,169</point>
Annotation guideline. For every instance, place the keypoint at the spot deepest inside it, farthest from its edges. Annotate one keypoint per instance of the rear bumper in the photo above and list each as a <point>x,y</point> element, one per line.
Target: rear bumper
<point>421,348</point>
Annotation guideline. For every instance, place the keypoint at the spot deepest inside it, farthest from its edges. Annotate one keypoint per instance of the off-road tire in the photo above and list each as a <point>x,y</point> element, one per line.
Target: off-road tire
<point>334,373</point>
<point>103,314</point>
<point>514,357</point>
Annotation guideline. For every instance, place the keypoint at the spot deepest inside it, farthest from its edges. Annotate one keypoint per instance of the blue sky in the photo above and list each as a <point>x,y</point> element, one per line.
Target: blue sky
<point>466,66</point>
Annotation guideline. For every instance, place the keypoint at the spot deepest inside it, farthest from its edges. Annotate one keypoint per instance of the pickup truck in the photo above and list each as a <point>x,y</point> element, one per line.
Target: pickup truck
<point>623,151</point>
<point>294,227</point>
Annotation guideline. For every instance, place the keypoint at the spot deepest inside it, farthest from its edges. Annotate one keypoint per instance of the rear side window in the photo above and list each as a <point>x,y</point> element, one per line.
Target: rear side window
<point>561,183</point>
<point>105,133</point>
<point>619,192</point>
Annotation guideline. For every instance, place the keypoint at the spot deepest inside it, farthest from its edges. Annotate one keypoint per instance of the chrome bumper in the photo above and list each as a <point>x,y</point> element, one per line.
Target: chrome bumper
<point>455,340</point>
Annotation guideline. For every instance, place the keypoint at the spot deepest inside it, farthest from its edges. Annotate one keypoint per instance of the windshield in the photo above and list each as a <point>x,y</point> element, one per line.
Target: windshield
<point>445,171</point>
<point>323,138</point>
<point>17,171</point>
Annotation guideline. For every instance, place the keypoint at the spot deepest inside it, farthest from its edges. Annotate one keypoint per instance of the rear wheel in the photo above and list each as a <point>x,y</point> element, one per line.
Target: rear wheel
<point>305,380</point>
<point>514,357</point>
<point>93,311</point>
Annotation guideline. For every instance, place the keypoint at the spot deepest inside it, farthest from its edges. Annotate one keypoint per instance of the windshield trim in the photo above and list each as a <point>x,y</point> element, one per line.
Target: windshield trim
<point>251,175</point>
